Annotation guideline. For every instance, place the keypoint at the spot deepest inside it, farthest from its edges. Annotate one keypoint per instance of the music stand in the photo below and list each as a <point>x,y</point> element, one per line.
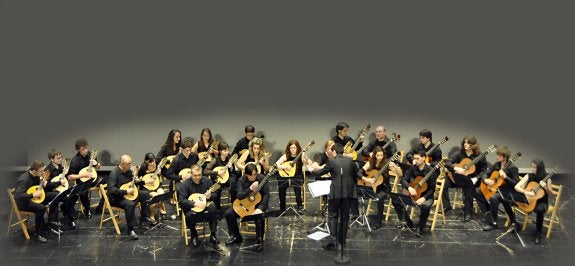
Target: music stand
<point>54,204</point>
<point>511,195</point>
<point>318,189</point>
<point>364,192</point>
<point>291,207</point>
<point>406,201</point>
<point>156,199</point>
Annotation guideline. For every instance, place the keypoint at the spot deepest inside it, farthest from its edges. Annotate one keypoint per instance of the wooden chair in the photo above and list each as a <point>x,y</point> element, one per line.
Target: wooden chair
<point>389,205</point>
<point>22,216</point>
<point>113,212</point>
<point>552,215</point>
<point>200,226</point>
<point>249,227</point>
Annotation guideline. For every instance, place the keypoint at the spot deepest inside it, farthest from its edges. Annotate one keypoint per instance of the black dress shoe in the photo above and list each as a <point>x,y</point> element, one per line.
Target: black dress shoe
<point>447,209</point>
<point>149,221</point>
<point>420,232</point>
<point>73,225</point>
<point>214,240</point>
<point>329,246</point>
<point>259,245</point>
<point>41,239</point>
<point>466,218</point>
<point>88,214</point>
<point>538,237</point>
<point>490,227</point>
<point>133,235</point>
<point>195,241</point>
<point>234,240</point>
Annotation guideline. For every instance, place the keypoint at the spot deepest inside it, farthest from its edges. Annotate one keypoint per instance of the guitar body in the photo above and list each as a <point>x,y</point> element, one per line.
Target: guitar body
<point>288,173</point>
<point>128,186</point>
<point>463,164</point>
<point>169,160</point>
<point>198,197</point>
<point>61,187</point>
<point>247,206</point>
<point>33,189</point>
<point>225,177</point>
<point>206,155</point>
<point>539,193</point>
<point>372,174</point>
<point>489,191</point>
<point>89,169</point>
<point>185,171</point>
<point>419,189</point>
<point>155,181</point>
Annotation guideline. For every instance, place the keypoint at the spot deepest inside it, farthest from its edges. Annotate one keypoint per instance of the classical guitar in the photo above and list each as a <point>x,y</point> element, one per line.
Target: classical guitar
<point>469,165</point>
<point>131,184</point>
<point>395,137</point>
<point>152,180</point>
<point>32,189</point>
<point>247,205</point>
<point>428,158</point>
<point>291,171</point>
<point>62,177</point>
<point>378,174</point>
<point>90,168</point>
<point>222,179</point>
<point>420,182</point>
<point>539,192</point>
<point>487,190</point>
<point>203,197</point>
<point>206,156</point>
<point>348,148</point>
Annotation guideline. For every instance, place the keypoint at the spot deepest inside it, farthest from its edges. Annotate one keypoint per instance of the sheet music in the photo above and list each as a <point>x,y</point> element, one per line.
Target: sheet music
<point>319,188</point>
<point>318,235</point>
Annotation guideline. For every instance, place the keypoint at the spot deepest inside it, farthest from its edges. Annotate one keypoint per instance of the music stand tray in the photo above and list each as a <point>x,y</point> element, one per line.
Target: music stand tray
<point>406,201</point>
<point>156,199</point>
<point>512,196</point>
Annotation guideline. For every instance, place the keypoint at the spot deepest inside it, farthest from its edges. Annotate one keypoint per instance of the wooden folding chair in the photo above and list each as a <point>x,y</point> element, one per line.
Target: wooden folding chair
<point>552,214</point>
<point>113,212</point>
<point>22,216</point>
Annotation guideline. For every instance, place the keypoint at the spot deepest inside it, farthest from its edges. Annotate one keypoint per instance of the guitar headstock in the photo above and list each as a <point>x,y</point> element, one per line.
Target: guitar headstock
<point>214,145</point>
<point>395,157</point>
<point>94,153</point>
<point>309,145</point>
<point>163,162</point>
<point>491,148</point>
<point>395,137</point>
<point>515,157</point>
<point>441,163</point>
<point>445,139</point>
<point>234,158</point>
<point>365,129</point>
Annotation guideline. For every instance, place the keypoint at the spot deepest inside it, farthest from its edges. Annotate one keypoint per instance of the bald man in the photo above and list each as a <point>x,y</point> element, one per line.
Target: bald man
<point>122,175</point>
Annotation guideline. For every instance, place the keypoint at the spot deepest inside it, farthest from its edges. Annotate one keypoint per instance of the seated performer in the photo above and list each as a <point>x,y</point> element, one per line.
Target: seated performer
<point>194,196</point>
<point>247,184</point>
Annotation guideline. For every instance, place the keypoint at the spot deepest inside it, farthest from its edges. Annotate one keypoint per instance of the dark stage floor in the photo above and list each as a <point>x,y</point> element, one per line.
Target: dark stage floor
<point>454,243</point>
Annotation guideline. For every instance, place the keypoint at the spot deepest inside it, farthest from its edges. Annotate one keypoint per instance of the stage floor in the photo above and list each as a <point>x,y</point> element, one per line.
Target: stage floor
<point>287,242</point>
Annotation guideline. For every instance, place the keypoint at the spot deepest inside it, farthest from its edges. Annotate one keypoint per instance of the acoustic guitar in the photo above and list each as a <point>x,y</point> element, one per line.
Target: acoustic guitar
<point>203,197</point>
<point>428,158</point>
<point>487,190</point>
<point>291,171</point>
<point>152,180</point>
<point>90,168</point>
<point>206,156</point>
<point>348,148</point>
<point>469,165</point>
<point>420,183</point>
<point>539,192</point>
<point>378,175</point>
<point>222,179</point>
<point>31,190</point>
<point>169,160</point>
<point>395,137</point>
<point>62,177</point>
<point>247,206</point>
<point>131,184</point>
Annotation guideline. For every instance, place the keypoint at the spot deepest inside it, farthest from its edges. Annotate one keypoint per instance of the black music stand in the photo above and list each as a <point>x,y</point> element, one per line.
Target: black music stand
<point>511,195</point>
<point>364,192</point>
<point>291,183</point>
<point>156,199</point>
<point>406,201</point>
<point>54,204</point>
